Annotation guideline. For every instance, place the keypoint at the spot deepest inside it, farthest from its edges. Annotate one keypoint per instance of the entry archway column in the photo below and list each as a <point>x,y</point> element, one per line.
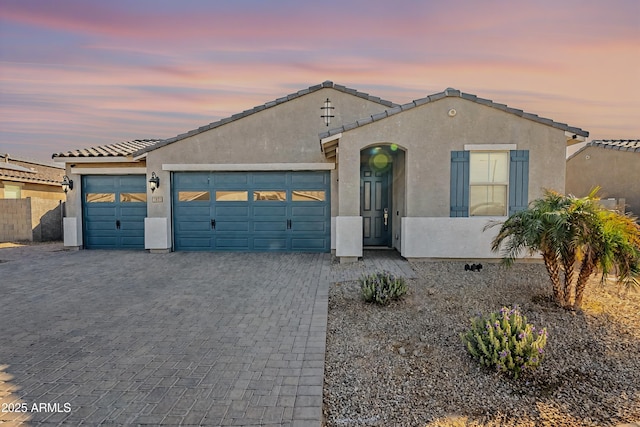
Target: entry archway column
<point>348,221</point>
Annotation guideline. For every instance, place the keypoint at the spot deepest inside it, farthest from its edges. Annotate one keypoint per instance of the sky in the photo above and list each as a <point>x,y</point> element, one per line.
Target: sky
<point>80,73</point>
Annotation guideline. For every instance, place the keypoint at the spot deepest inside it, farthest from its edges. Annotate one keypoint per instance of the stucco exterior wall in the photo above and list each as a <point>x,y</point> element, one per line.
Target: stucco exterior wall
<point>285,133</point>
<point>29,189</point>
<point>616,172</point>
<point>428,135</point>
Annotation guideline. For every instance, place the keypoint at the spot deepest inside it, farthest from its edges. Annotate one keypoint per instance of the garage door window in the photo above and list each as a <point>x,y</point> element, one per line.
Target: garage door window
<point>194,196</point>
<point>307,196</point>
<point>133,197</point>
<point>232,196</point>
<point>100,197</point>
<point>270,195</point>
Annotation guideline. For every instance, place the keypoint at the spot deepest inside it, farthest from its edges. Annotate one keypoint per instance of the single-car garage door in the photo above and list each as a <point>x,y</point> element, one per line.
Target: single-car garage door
<point>114,208</point>
<point>252,211</point>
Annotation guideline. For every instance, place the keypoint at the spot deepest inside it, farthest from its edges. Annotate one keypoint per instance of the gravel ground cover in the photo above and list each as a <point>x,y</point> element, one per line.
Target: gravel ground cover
<point>405,364</point>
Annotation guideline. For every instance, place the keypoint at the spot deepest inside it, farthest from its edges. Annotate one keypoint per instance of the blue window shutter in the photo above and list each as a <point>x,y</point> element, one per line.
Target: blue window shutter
<point>518,181</point>
<point>459,196</point>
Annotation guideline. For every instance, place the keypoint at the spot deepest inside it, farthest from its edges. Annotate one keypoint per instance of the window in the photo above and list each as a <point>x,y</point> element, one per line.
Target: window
<point>488,183</point>
<point>232,196</point>
<point>270,195</point>
<point>308,195</point>
<point>193,196</point>
<point>100,197</point>
<point>11,191</point>
<point>133,197</point>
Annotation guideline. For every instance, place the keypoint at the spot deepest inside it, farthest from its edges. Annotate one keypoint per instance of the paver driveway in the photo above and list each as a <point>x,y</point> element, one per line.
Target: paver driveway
<point>126,338</point>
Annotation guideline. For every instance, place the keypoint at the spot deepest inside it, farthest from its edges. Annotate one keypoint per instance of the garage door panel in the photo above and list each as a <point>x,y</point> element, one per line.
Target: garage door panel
<point>101,225</point>
<point>193,211</point>
<point>131,242</point>
<point>194,243</point>
<point>230,179</point>
<point>195,226</point>
<point>254,211</point>
<point>237,226</point>
<point>232,211</point>
<point>231,243</point>
<point>128,181</point>
<point>111,200</point>
<point>266,178</point>
<point>271,211</point>
<point>308,211</point>
<point>191,180</point>
<point>270,244</point>
<point>309,178</point>
<point>313,226</point>
<point>135,212</point>
<point>309,244</point>
<point>270,226</point>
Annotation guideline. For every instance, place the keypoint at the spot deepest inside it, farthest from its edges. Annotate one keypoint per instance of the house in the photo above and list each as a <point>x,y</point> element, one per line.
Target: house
<point>611,164</point>
<point>324,169</point>
<point>30,199</point>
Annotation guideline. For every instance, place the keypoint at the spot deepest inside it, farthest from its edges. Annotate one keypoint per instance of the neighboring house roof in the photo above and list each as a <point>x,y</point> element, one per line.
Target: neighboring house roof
<point>632,145</point>
<point>311,89</point>
<point>616,144</point>
<point>23,170</point>
<point>119,149</point>
<point>453,93</point>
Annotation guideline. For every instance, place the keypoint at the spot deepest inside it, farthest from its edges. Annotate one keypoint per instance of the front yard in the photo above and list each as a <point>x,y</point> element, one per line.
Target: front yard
<point>405,364</point>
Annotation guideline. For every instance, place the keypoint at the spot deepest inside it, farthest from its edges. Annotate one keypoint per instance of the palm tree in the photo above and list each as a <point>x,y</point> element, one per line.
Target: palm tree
<point>569,231</point>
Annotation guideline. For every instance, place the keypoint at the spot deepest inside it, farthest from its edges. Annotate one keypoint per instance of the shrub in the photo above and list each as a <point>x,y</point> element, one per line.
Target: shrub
<point>505,341</point>
<point>382,287</point>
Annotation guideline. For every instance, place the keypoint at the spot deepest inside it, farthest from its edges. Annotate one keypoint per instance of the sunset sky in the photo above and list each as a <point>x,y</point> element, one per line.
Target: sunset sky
<point>77,73</point>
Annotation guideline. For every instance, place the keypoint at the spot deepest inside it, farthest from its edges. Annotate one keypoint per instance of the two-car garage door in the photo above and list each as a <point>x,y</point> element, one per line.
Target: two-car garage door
<point>252,211</point>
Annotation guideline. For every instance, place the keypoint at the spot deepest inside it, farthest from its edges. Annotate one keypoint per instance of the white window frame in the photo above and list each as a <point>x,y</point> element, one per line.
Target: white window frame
<point>504,184</point>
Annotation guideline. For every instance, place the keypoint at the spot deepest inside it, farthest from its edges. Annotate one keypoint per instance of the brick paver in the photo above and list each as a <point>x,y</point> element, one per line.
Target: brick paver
<point>131,338</point>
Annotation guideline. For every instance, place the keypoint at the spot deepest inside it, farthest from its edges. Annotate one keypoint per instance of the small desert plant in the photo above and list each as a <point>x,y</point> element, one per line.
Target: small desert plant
<point>505,341</point>
<point>382,287</point>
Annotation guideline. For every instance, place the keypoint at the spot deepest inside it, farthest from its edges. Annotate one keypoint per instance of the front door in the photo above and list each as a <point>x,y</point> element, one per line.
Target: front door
<point>375,206</point>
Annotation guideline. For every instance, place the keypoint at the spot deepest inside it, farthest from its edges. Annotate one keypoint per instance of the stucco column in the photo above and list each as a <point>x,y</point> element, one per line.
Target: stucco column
<point>157,224</point>
<point>72,222</point>
<point>349,221</point>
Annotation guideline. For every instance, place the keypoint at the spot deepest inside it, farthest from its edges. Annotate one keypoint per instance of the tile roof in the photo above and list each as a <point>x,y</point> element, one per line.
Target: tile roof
<point>632,145</point>
<point>213,125</point>
<point>23,170</point>
<point>453,93</point>
<point>616,144</point>
<point>119,149</point>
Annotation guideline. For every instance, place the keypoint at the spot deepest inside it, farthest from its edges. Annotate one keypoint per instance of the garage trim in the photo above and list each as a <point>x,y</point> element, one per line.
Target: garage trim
<point>242,167</point>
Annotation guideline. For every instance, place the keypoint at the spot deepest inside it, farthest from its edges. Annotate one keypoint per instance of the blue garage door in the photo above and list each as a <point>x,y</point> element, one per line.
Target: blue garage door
<point>252,211</point>
<point>114,208</point>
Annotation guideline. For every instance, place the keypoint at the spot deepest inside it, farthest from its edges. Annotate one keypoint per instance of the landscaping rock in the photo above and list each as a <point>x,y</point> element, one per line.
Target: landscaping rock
<point>405,365</point>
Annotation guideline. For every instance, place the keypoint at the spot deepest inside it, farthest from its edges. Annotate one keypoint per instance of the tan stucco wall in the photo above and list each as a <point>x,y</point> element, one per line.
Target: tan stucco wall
<point>40,191</point>
<point>428,135</point>
<point>285,133</point>
<point>616,172</point>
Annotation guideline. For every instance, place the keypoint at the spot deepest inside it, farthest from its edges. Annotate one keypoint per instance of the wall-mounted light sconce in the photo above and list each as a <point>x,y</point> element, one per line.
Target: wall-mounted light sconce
<point>154,182</point>
<point>67,184</point>
<point>327,112</point>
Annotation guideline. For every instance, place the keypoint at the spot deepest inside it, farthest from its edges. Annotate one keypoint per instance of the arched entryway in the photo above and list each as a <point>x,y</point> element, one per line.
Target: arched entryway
<point>381,194</point>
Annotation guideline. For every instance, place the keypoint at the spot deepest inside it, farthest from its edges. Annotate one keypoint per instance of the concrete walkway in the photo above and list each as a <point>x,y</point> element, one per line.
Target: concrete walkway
<point>131,338</point>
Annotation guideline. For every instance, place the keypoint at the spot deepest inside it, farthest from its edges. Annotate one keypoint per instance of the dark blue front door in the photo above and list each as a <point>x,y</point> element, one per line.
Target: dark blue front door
<point>375,206</point>
<point>252,211</point>
<point>114,208</point>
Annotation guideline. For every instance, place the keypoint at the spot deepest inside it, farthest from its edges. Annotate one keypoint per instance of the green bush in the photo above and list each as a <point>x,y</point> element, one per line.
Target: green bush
<point>382,287</point>
<point>505,341</point>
